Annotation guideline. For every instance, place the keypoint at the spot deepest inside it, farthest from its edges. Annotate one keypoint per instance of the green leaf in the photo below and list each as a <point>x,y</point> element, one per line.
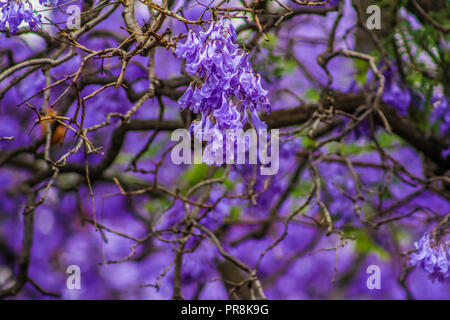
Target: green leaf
<point>157,205</point>
<point>235,213</point>
<point>312,95</point>
<point>365,244</point>
<point>362,67</point>
<point>289,65</point>
<point>271,43</point>
<point>229,185</point>
<point>303,189</point>
<point>307,142</point>
<point>196,174</point>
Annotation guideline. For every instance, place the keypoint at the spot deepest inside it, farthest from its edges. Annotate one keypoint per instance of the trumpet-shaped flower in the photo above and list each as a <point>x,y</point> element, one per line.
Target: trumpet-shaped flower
<point>433,258</point>
<point>14,12</point>
<point>226,88</point>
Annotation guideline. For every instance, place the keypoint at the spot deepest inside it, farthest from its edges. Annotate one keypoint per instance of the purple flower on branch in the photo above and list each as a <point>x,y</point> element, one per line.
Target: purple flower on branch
<point>228,87</point>
<point>433,258</point>
<point>14,12</point>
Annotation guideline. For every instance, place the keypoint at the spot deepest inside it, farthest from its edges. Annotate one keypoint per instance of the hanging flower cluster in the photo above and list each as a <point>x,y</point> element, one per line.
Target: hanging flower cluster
<point>434,258</point>
<point>227,87</point>
<point>14,12</point>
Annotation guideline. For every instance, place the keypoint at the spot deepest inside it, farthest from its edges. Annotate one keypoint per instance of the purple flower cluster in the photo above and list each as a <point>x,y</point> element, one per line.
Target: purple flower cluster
<point>441,113</point>
<point>14,12</point>
<point>395,92</point>
<point>434,258</point>
<point>227,87</point>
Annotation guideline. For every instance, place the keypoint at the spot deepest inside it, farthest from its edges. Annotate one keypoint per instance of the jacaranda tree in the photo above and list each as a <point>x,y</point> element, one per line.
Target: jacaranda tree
<point>132,164</point>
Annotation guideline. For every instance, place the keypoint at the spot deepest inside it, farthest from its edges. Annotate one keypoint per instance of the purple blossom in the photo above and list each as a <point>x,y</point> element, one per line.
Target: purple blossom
<point>396,93</point>
<point>434,258</point>
<point>228,81</point>
<point>14,12</point>
<point>441,113</point>
<point>224,96</point>
<point>228,88</point>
